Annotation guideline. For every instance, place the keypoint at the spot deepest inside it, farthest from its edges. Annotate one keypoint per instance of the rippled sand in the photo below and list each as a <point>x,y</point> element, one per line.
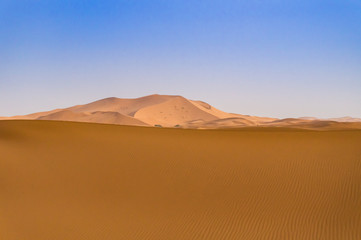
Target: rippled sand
<point>64,180</point>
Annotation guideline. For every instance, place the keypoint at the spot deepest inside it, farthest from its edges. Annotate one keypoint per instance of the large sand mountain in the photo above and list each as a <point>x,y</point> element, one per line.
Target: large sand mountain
<point>175,111</point>
<point>164,110</point>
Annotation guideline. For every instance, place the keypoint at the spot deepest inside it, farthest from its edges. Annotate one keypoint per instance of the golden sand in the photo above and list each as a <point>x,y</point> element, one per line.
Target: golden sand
<point>75,181</point>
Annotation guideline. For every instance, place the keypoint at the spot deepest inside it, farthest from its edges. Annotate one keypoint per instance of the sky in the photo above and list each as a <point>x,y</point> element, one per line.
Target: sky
<point>273,58</point>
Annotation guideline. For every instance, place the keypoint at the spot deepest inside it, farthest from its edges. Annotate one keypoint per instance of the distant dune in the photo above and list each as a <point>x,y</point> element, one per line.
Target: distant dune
<point>346,119</point>
<point>174,111</point>
<point>66,180</point>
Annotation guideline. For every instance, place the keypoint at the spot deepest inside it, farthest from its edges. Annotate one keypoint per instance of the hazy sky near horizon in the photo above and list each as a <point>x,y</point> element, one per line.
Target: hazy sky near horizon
<point>268,58</point>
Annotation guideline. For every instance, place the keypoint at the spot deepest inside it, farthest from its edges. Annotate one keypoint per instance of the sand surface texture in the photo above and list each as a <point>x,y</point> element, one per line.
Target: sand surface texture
<point>85,181</point>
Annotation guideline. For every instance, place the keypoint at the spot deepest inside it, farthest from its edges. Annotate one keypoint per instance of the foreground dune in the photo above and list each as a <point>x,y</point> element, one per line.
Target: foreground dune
<point>65,180</point>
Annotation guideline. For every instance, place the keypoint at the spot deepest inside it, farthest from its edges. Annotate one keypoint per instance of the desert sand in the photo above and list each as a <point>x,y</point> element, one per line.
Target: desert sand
<point>66,180</point>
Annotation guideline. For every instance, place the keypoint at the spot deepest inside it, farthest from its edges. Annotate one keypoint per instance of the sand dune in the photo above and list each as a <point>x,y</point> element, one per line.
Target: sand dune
<point>329,125</point>
<point>210,109</point>
<point>289,121</point>
<point>341,119</point>
<point>64,180</point>
<point>234,122</point>
<point>346,119</point>
<point>31,116</point>
<point>164,110</point>
<point>312,124</point>
<point>173,111</point>
<point>63,115</point>
<point>96,117</point>
<point>123,106</point>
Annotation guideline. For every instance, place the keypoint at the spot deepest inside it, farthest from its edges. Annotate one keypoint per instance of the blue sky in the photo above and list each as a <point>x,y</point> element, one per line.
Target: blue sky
<point>267,58</point>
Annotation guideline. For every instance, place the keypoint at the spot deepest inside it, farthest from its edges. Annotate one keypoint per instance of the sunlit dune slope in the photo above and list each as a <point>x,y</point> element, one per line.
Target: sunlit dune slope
<point>65,180</point>
<point>175,111</point>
